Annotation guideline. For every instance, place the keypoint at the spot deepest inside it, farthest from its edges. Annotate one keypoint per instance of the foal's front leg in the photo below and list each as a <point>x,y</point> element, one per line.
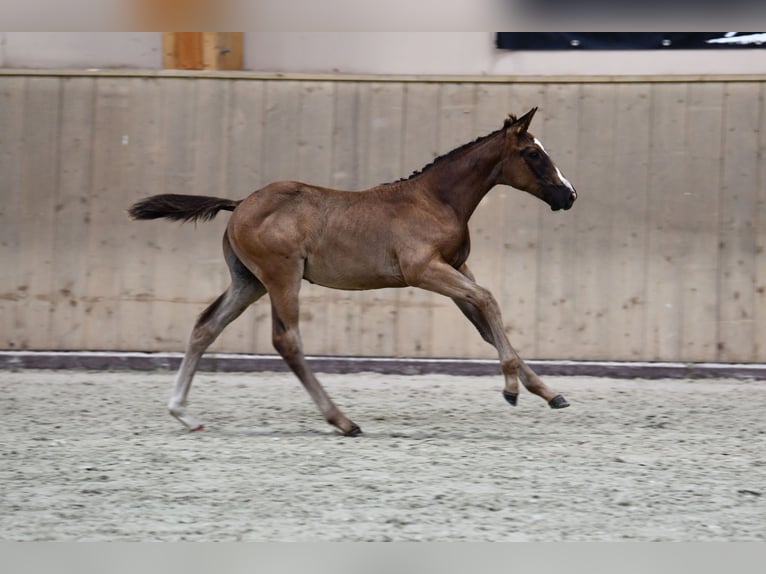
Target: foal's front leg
<point>478,304</point>
<point>529,378</point>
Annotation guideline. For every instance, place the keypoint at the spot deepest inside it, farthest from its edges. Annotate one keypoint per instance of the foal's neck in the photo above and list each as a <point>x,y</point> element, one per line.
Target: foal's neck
<point>464,180</point>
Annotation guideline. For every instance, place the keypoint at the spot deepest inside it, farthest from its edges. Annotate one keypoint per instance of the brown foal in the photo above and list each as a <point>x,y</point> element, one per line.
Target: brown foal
<point>413,232</point>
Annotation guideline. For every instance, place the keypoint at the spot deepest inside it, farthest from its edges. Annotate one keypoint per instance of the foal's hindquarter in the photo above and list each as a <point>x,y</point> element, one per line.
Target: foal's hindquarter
<point>413,233</point>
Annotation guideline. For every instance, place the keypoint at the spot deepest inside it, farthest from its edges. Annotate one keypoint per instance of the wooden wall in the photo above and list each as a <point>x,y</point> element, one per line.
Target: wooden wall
<point>660,259</point>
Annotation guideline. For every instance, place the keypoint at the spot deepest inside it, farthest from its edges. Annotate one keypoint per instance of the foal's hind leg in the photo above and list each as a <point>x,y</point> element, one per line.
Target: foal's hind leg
<point>283,292</point>
<point>244,290</point>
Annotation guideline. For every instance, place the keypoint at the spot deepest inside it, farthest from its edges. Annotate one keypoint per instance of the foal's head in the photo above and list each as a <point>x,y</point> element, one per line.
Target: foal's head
<point>526,165</point>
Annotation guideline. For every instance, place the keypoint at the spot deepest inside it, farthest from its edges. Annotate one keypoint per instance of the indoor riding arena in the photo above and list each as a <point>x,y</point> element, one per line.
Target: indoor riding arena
<point>644,304</point>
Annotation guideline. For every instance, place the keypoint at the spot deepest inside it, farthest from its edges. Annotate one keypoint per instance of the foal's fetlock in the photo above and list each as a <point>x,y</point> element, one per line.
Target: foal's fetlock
<point>178,411</point>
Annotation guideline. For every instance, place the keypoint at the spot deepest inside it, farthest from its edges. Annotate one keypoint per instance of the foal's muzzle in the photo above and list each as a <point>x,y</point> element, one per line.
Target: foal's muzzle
<point>570,199</point>
<point>561,198</point>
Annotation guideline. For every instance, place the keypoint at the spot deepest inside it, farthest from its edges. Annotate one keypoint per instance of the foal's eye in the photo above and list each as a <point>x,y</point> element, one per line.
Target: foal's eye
<point>534,154</point>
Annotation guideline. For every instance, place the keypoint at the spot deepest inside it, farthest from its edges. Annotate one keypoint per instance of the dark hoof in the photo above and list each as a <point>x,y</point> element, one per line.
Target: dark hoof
<point>512,398</point>
<point>355,431</point>
<point>558,402</point>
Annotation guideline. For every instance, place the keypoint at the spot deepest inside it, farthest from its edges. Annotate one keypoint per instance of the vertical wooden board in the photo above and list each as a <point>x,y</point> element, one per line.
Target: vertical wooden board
<point>499,247</point>
<point>629,190</point>
<point>341,307</point>
<point>737,222</point>
<point>699,312</point>
<point>486,224</point>
<point>315,165</point>
<point>523,240</point>
<point>243,169</point>
<point>205,268</point>
<point>557,312</point>
<point>453,334</point>
<point>520,237</point>
<point>346,146</point>
<point>378,311</point>
<point>760,248</point>
<point>244,138</point>
<point>39,180</point>
<point>414,335</point>
<point>72,218</point>
<point>12,150</point>
<point>278,161</point>
<point>593,256</point>
<point>105,251</point>
<point>172,311</point>
<point>665,251</point>
<point>280,132</point>
<point>143,171</point>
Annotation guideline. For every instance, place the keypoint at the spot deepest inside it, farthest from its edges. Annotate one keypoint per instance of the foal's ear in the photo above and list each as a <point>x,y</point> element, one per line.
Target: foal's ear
<point>522,124</point>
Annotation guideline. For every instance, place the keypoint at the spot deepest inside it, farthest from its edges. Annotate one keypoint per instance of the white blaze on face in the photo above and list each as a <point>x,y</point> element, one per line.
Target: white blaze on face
<point>564,181</point>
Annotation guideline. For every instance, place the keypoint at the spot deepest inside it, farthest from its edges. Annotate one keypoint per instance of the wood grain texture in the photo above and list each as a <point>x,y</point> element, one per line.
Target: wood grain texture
<point>661,257</point>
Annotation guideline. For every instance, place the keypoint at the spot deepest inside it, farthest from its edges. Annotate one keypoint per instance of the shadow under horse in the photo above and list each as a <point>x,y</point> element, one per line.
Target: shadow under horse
<point>412,232</point>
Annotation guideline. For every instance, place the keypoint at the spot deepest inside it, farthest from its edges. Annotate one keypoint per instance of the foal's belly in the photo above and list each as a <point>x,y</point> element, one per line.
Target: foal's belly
<point>351,273</point>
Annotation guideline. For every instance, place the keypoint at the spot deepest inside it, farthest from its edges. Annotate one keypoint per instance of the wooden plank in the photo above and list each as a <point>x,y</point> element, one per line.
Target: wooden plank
<point>142,172</point>
<point>183,50</point>
<point>414,334</point>
<point>737,208</point>
<point>72,216</point>
<point>341,306</point>
<point>243,176</point>
<point>38,185</point>
<point>517,237</point>
<point>172,310</point>
<point>222,50</point>
<point>203,50</point>
<point>665,251</point>
<point>452,333</point>
<point>14,333</point>
<point>200,261</point>
<point>105,249</point>
<point>759,307</point>
<point>391,78</point>
<point>557,311</point>
<point>345,143</point>
<point>383,116</point>
<point>700,230</point>
<point>591,280</point>
<point>629,190</point>
<point>512,237</point>
<point>206,270</point>
<point>665,202</point>
<point>314,143</point>
<point>279,161</point>
<point>493,258</point>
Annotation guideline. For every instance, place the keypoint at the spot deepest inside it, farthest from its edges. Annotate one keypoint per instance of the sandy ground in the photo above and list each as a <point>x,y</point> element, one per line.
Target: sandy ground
<point>94,456</point>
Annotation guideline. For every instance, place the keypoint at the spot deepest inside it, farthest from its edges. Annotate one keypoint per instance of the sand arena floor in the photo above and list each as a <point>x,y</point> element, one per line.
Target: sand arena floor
<point>94,456</point>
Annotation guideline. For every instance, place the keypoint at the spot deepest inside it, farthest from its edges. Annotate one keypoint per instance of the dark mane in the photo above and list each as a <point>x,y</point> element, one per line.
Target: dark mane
<point>451,154</point>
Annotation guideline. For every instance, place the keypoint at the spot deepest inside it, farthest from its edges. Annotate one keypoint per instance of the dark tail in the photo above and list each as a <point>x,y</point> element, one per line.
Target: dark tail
<point>181,207</point>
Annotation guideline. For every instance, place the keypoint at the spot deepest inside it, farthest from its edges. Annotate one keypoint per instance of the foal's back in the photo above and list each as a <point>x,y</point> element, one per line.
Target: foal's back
<point>346,239</point>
